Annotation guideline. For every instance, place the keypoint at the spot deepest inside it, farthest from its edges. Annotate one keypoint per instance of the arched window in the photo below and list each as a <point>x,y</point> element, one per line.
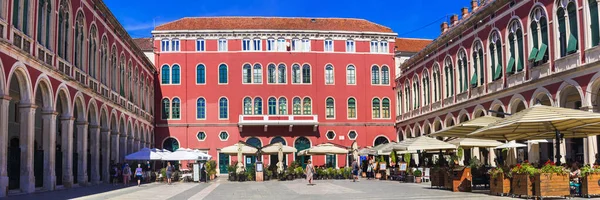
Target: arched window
<point>300,144</point>
<point>176,75</point>
<point>44,22</point>
<point>247,73</point>
<point>79,40</point>
<point>281,74</point>
<point>594,27</point>
<point>296,74</point>
<point>478,77</point>
<point>426,85</point>
<point>200,74</point>
<point>375,75</point>
<point>257,73</point>
<point>329,108</point>
<point>104,61</point>
<point>539,36</point>
<point>63,27</point>
<point>282,106</point>
<point>296,107</point>
<point>113,68</point>
<point>255,142</point>
<point>306,106</point>
<point>278,139</point>
<point>222,74</point>
<point>351,108</point>
<point>171,144</point>
<point>223,108</point>
<point>351,75</point>
<point>515,48</point>
<point>437,88</point>
<point>176,112</point>
<point>495,55</point>
<point>385,108</point>
<point>247,106</point>
<point>380,140</point>
<point>271,73</point>
<point>449,75</point>
<point>416,93</point>
<point>122,76</point>
<point>329,75</point>
<point>93,52</point>
<point>463,70</point>
<point>258,106</point>
<point>385,75</point>
<point>376,108</point>
<point>166,108</point>
<point>306,75</point>
<point>566,14</point>
<point>272,106</point>
<point>201,108</point>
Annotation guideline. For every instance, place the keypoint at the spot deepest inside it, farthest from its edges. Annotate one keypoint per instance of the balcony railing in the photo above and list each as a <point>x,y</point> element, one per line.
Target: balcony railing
<point>64,67</point>
<point>2,29</point>
<point>22,41</point>
<point>93,84</point>
<point>278,120</point>
<point>80,76</point>
<point>45,55</point>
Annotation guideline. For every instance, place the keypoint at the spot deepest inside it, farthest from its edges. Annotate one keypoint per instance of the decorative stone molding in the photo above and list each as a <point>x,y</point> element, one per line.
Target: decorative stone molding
<point>515,79</point>
<point>567,62</point>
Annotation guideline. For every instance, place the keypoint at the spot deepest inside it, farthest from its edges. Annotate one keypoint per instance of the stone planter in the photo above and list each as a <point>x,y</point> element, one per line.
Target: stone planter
<point>447,180</point>
<point>500,185</point>
<point>377,175</point>
<point>410,179</point>
<point>590,185</point>
<point>461,180</point>
<point>437,179</point>
<point>418,179</point>
<point>521,185</point>
<point>551,185</point>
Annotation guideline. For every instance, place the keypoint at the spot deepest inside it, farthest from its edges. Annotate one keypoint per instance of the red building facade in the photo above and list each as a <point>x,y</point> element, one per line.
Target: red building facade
<point>299,81</point>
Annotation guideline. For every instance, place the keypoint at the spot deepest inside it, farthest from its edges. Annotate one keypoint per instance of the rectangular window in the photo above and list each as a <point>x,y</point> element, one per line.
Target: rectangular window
<point>165,45</point>
<point>280,44</point>
<point>200,45</point>
<point>175,45</point>
<point>222,44</point>
<point>350,46</point>
<point>305,45</point>
<point>246,45</point>
<point>384,47</point>
<point>257,45</point>
<point>270,45</point>
<point>328,45</point>
<point>296,45</point>
<point>374,46</point>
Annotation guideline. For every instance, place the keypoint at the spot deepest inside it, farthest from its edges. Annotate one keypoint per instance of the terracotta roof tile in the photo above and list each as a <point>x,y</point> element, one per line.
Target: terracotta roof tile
<point>273,23</point>
<point>412,45</point>
<point>145,44</point>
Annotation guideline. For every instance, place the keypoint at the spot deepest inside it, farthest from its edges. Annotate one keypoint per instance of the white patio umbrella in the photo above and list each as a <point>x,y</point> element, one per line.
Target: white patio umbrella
<point>367,151</point>
<point>182,154</point>
<point>145,154</point>
<point>201,155</point>
<point>323,149</point>
<point>471,142</point>
<point>422,143</point>
<point>379,148</point>
<point>279,149</point>
<point>511,144</point>
<point>239,149</point>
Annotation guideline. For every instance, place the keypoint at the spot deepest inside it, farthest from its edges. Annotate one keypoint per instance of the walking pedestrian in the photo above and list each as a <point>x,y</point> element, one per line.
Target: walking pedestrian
<point>169,172</point>
<point>138,174</point>
<point>126,174</point>
<point>354,171</point>
<point>309,171</point>
<point>148,172</point>
<point>115,174</point>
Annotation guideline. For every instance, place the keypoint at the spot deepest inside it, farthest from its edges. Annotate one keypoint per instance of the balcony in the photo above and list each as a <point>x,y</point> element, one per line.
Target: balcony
<point>515,79</point>
<point>278,120</point>
<point>80,76</point>
<point>2,29</point>
<point>93,84</point>
<point>22,41</point>
<point>64,67</point>
<point>45,55</point>
<point>448,101</point>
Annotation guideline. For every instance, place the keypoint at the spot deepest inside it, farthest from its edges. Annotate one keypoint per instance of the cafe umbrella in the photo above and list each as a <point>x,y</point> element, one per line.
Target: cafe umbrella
<point>279,149</point>
<point>542,122</point>
<point>462,129</point>
<point>239,149</point>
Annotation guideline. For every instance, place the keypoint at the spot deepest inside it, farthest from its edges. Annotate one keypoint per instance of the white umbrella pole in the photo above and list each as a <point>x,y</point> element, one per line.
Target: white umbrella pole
<point>240,164</point>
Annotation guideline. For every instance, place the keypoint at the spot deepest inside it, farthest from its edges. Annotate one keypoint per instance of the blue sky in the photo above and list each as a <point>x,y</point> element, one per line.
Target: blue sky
<point>407,18</point>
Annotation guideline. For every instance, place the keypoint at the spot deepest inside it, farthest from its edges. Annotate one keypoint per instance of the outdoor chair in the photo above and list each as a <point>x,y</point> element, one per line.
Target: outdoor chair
<point>426,177</point>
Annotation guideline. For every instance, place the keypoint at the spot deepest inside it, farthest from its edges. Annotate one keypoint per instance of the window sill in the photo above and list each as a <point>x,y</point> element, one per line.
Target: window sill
<point>437,105</point>
<point>515,79</point>
<point>495,86</point>
<point>592,54</point>
<point>567,62</point>
<point>462,96</point>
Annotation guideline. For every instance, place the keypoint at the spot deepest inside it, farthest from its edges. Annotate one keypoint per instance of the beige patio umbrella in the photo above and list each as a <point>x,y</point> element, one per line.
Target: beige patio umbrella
<point>512,153</point>
<point>462,129</point>
<point>355,150</point>
<point>239,149</point>
<point>379,148</point>
<point>367,151</point>
<point>422,143</point>
<point>279,149</point>
<point>323,149</point>
<point>472,142</point>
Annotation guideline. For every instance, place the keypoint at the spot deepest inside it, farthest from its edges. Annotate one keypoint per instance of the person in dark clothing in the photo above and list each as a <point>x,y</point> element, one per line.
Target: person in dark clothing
<point>202,173</point>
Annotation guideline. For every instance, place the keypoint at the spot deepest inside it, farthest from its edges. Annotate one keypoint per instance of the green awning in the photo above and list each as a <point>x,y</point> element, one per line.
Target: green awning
<point>498,72</point>
<point>533,54</point>
<point>474,80</point>
<point>511,65</point>
<point>572,45</point>
<point>541,53</point>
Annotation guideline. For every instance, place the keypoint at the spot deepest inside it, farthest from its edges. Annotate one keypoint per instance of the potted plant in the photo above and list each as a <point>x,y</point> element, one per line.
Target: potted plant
<point>418,175</point>
<point>299,172</point>
<point>393,158</point>
<point>231,170</point>
<point>211,169</point>
<point>500,183</point>
<point>589,182</point>
<point>330,173</point>
<point>522,179</point>
<point>552,180</point>
<point>437,177</point>
<point>459,154</point>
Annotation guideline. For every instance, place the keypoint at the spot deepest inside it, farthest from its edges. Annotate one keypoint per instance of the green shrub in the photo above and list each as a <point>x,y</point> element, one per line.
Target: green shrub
<point>418,173</point>
<point>407,157</point>
<point>211,167</point>
<point>299,171</point>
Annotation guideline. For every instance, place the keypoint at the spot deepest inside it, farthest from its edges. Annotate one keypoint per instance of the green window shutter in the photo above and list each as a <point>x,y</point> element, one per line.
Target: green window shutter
<point>474,80</point>
<point>498,72</point>
<point>572,44</point>
<point>595,28</point>
<point>465,74</point>
<point>533,54</point>
<point>511,64</point>
<point>15,13</point>
<point>542,52</point>
<point>521,51</point>
<point>25,17</point>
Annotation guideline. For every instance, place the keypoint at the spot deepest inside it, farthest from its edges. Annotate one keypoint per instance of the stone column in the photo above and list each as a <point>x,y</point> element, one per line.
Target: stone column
<point>94,134</point>
<point>82,129</point>
<point>27,119</point>
<point>114,153</point>
<point>67,150</point>
<point>123,149</point>
<point>106,161</point>
<point>138,145</point>
<point>492,157</point>
<point>49,135</point>
<point>4,103</point>
<point>129,146</point>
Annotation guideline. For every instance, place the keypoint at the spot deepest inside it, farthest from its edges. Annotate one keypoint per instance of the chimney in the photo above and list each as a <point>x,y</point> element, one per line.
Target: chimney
<point>453,19</point>
<point>474,5</point>
<point>465,12</point>
<point>444,27</point>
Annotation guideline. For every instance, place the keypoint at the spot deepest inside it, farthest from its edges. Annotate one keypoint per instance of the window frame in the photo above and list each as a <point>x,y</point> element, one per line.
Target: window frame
<point>173,108</point>
<point>350,46</point>
<point>271,44</point>
<point>256,44</point>
<point>203,77</point>
<point>222,45</point>
<point>175,45</point>
<point>329,74</point>
<point>221,108</point>
<point>200,45</point>
<point>350,77</point>
<point>221,133</point>
<point>348,108</point>
<point>203,108</point>
<point>327,108</point>
<point>355,137</point>
<point>331,45</point>
<point>198,137</point>
<point>247,44</point>
<point>327,135</point>
<point>226,76</point>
